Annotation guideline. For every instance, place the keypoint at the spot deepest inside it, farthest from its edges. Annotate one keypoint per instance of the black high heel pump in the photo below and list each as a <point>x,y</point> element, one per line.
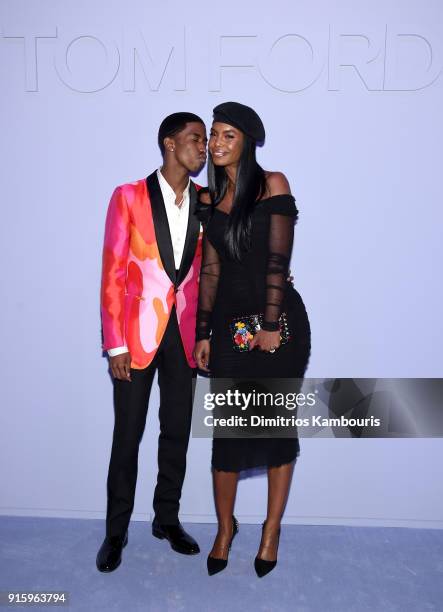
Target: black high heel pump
<point>217,565</point>
<point>262,566</point>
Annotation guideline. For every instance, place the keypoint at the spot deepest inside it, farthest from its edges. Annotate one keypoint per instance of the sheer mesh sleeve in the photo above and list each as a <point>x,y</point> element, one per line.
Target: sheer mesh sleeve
<point>209,275</point>
<point>281,236</point>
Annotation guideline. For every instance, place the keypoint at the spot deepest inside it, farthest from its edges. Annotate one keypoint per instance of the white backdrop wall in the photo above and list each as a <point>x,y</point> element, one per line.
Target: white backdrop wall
<point>350,94</point>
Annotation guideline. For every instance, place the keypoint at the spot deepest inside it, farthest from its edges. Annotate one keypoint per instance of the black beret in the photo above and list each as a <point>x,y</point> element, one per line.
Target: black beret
<point>242,117</point>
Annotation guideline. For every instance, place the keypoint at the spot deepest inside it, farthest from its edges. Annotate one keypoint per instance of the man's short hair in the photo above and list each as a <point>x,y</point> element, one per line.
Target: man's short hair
<point>173,124</point>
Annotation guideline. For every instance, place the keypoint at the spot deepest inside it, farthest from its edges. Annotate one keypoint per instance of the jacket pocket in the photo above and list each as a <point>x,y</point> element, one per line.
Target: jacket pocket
<point>134,295</point>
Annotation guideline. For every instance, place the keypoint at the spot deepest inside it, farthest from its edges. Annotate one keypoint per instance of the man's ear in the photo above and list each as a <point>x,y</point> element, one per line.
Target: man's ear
<point>169,144</point>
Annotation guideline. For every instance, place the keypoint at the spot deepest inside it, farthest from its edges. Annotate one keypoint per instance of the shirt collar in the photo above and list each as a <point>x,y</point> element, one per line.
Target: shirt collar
<point>166,187</point>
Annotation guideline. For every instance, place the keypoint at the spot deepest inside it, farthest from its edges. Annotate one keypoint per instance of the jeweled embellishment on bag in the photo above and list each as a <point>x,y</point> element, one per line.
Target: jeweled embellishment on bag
<point>243,329</point>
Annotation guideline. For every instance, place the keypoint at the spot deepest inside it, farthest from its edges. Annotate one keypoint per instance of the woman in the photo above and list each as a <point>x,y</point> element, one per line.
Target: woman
<point>249,217</point>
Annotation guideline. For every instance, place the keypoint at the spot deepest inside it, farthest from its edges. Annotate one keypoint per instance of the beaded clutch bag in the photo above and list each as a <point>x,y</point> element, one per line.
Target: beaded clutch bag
<point>243,329</point>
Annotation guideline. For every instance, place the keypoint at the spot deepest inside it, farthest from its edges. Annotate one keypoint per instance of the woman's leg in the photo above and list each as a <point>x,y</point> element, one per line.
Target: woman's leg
<point>279,482</point>
<point>225,489</point>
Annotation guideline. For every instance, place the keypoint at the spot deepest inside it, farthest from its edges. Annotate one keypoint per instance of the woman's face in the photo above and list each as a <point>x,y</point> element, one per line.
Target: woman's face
<point>225,144</point>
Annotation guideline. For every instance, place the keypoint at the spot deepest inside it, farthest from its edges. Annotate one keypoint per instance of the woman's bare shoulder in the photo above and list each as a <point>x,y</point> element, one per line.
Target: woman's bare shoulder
<point>277,183</point>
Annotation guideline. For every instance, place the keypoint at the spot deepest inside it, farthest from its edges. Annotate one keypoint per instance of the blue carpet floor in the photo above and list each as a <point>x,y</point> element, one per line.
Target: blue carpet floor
<point>320,568</point>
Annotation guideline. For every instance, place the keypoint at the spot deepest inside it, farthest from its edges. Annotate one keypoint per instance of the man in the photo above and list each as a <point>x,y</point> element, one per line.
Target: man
<point>151,265</point>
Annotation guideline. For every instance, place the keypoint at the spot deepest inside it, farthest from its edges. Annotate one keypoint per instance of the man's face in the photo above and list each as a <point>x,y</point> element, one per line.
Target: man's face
<point>190,146</point>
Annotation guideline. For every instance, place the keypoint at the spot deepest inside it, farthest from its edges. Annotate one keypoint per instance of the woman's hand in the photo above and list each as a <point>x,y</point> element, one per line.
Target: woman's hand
<point>265,340</point>
<point>201,354</point>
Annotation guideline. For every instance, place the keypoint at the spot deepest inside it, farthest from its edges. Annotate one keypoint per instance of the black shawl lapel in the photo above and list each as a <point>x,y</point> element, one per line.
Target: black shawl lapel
<point>161,226</point>
<point>192,234</point>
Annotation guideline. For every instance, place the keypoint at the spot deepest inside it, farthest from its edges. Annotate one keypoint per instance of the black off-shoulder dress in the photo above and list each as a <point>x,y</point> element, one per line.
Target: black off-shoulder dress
<point>256,284</point>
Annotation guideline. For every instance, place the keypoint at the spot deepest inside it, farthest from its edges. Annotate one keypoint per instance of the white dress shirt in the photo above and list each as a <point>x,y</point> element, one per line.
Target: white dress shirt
<point>177,215</point>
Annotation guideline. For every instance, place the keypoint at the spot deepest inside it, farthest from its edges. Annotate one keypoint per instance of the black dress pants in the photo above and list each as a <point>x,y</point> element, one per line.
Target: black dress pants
<point>131,399</point>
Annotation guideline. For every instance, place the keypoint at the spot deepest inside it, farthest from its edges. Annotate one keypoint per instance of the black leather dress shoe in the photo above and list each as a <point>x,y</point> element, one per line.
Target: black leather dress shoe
<point>179,540</point>
<point>109,556</point>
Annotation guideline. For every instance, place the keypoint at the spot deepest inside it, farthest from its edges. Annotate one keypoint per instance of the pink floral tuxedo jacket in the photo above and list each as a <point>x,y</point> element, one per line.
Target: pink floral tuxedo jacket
<point>139,281</point>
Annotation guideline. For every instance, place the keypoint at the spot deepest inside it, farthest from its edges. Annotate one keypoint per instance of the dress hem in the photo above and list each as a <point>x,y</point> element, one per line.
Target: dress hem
<point>253,467</point>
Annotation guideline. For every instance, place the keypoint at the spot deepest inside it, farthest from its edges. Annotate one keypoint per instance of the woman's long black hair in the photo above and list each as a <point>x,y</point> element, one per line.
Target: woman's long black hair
<point>250,186</point>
